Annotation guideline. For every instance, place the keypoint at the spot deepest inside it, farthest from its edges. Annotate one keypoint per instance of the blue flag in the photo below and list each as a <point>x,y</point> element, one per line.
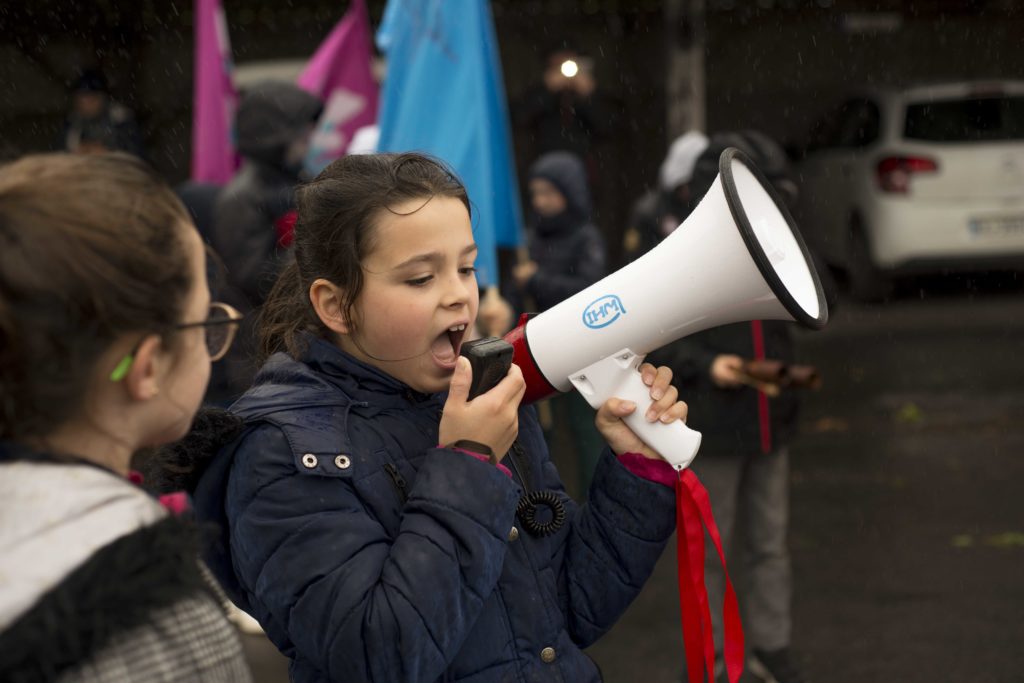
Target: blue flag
<point>444,94</point>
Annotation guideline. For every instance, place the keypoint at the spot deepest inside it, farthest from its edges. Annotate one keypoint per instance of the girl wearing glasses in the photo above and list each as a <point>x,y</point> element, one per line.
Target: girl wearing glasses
<point>106,338</point>
<point>377,523</point>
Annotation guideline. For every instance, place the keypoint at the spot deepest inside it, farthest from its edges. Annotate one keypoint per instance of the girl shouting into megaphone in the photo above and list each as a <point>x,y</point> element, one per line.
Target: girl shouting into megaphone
<point>379,524</point>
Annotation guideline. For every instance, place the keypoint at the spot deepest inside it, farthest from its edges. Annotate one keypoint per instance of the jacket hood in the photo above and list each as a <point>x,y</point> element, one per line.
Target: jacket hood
<point>325,377</point>
<point>55,517</point>
<point>677,168</point>
<point>565,171</point>
<point>271,115</point>
<point>322,371</point>
<point>766,154</point>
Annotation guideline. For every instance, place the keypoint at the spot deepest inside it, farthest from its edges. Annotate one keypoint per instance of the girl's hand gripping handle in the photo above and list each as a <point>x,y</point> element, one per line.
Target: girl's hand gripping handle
<point>618,376</point>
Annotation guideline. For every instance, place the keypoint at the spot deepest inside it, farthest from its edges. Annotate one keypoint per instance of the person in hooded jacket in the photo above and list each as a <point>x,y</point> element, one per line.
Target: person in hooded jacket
<point>744,461</point>
<point>566,255</point>
<point>254,214</point>
<point>379,523</point>
<point>97,123</point>
<point>660,211</point>
<point>566,250</point>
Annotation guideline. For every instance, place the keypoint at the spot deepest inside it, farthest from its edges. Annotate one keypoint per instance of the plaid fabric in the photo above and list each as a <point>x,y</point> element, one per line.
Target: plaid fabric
<point>123,596</point>
<point>189,641</point>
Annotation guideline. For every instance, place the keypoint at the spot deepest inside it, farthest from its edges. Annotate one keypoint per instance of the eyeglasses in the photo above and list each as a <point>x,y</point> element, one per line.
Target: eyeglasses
<point>219,328</point>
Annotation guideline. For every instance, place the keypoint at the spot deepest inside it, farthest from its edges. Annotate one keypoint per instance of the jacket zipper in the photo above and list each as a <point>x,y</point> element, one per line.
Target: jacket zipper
<point>520,465</point>
<point>398,480</point>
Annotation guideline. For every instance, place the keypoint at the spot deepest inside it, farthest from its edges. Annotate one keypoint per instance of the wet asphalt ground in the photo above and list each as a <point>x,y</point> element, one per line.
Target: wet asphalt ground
<point>907,502</point>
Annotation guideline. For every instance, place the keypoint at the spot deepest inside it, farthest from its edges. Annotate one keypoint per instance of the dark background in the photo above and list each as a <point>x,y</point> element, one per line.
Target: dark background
<point>906,507</point>
<point>769,64</point>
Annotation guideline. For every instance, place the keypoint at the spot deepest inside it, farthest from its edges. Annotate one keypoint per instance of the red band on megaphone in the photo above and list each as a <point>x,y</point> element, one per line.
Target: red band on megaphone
<point>537,387</point>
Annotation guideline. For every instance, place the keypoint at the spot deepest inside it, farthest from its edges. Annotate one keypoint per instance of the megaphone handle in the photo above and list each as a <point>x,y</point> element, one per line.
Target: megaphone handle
<point>618,375</point>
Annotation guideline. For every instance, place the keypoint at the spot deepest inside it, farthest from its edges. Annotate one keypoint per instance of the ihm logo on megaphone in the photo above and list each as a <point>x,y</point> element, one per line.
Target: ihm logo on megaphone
<point>739,256</point>
<point>603,312</point>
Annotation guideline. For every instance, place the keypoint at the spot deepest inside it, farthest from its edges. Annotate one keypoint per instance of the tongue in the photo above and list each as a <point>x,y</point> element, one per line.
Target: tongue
<point>442,349</point>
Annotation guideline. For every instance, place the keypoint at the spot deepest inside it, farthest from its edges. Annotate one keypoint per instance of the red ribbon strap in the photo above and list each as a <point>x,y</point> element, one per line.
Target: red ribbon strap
<point>763,416</point>
<point>693,513</point>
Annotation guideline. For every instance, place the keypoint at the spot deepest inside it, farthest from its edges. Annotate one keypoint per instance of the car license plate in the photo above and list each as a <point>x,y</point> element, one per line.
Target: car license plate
<point>995,227</point>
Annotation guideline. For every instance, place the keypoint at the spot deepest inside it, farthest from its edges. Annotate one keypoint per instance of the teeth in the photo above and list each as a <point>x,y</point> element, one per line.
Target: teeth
<point>456,328</point>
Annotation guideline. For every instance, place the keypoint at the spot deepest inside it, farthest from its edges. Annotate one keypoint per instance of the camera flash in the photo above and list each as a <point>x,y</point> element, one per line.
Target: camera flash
<point>570,68</point>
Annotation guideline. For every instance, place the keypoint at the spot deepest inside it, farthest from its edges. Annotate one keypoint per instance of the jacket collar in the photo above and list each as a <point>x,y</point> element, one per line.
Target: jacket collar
<point>318,375</point>
<point>56,516</point>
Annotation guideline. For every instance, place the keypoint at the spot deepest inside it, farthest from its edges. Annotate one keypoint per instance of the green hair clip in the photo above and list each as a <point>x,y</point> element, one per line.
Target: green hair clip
<point>121,371</point>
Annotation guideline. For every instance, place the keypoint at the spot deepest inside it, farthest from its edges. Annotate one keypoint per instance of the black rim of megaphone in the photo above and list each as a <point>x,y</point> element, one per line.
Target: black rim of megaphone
<point>750,239</point>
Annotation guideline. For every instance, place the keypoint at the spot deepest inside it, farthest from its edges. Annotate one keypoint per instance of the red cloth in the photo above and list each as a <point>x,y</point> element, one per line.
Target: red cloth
<point>483,458</point>
<point>176,503</point>
<point>657,471</point>
<point>763,416</point>
<point>284,226</point>
<point>693,512</point>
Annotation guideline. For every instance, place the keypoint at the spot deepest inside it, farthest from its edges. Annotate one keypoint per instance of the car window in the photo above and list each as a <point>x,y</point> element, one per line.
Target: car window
<point>854,123</point>
<point>966,120</point>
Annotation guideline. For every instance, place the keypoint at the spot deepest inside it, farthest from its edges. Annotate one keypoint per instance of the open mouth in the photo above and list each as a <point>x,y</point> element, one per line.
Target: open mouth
<point>445,348</point>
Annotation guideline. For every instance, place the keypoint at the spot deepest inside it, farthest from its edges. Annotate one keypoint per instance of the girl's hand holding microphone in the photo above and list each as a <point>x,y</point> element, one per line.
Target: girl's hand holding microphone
<point>666,408</point>
<point>492,418</point>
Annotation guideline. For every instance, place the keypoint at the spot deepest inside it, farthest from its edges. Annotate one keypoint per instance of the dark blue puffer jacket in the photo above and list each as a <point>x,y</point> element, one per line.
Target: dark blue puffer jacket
<point>568,248</point>
<point>369,554</point>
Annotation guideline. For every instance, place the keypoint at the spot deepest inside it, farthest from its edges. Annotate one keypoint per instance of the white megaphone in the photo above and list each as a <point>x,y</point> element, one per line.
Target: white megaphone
<point>737,257</point>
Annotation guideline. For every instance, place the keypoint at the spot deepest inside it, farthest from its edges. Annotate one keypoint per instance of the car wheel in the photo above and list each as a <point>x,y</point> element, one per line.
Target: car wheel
<point>867,282</point>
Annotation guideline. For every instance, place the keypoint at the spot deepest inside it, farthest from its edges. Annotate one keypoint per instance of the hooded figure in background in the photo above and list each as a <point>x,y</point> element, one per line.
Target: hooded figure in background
<point>255,213</point>
<point>96,123</point>
<point>660,211</point>
<point>567,252</point>
<point>567,255</point>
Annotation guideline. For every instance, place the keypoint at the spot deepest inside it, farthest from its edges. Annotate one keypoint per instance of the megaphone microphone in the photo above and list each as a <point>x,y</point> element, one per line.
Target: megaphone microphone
<point>739,256</point>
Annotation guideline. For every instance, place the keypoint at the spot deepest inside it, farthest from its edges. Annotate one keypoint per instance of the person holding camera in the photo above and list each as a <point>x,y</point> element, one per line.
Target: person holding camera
<point>565,110</point>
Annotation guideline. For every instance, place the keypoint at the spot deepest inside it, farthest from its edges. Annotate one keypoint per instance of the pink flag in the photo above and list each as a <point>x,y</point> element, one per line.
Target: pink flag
<point>213,98</point>
<point>340,74</point>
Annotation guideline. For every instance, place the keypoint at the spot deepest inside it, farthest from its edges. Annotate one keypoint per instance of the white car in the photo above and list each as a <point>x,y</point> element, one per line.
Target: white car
<point>926,179</point>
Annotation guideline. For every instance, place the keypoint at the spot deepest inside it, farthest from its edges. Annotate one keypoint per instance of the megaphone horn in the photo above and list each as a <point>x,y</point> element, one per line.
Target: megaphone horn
<point>739,256</point>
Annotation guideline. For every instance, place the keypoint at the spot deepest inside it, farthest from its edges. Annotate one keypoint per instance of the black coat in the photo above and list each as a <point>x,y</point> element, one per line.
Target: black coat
<point>728,419</point>
<point>568,249</point>
<point>563,120</point>
<point>270,117</point>
<point>250,212</point>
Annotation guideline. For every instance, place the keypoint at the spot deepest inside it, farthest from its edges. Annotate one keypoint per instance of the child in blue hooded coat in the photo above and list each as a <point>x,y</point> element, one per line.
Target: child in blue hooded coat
<point>567,251</point>
<point>566,255</point>
<point>375,521</point>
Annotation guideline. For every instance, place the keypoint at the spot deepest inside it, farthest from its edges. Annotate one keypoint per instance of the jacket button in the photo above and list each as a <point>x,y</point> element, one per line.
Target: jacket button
<point>342,462</point>
<point>513,534</point>
<point>309,461</point>
<point>547,655</point>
